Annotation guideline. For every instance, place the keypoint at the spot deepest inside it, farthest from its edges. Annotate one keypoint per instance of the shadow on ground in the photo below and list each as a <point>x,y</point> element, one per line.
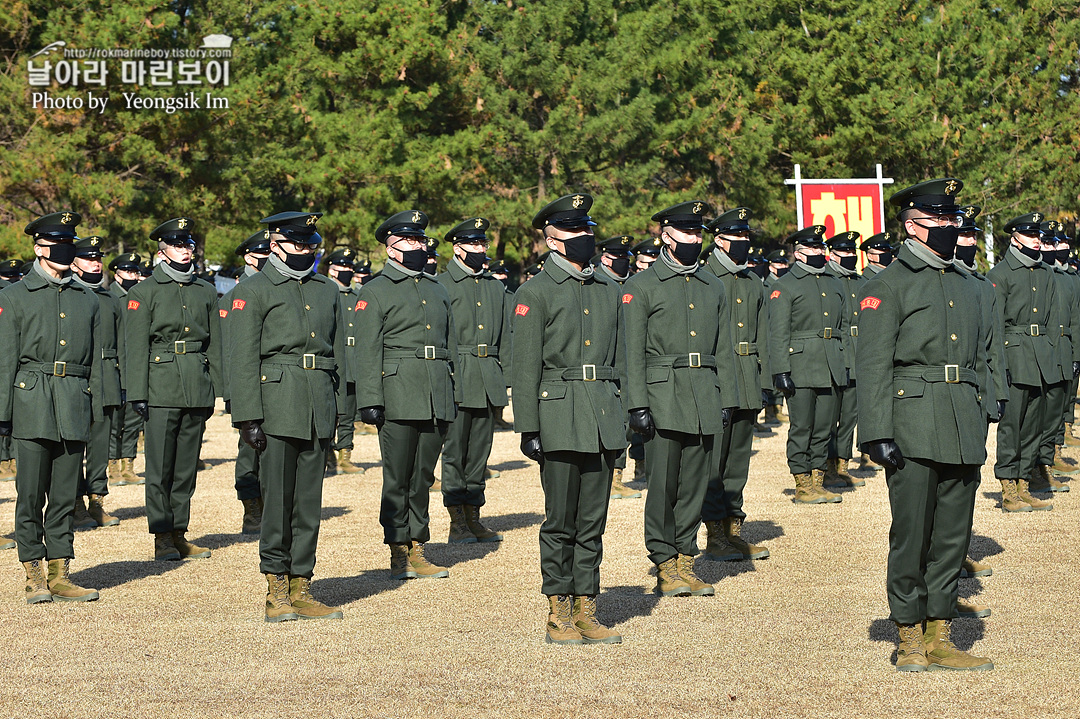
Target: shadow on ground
<point>127,513</point>
<point>982,547</point>
<point>337,591</point>
<point>510,465</point>
<point>450,555</point>
<point>761,530</point>
<point>620,604</point>
<point>221,540</point>
<point>515,520</point>
<point>113,574</point>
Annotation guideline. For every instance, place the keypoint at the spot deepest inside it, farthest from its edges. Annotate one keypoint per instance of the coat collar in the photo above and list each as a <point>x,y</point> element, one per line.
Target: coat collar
<point>458,272</point>
<point>392,272</point>
<point>666,273</point>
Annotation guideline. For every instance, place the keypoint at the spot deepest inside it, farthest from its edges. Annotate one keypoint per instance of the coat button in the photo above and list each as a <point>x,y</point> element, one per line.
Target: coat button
<point>740,324</point>
<point>307,307</point>
<point>543,394</point>
<point>1034,290</point>
<point>62,315</point>
<point>157,359</point>
<point>586,310</point>
<point>826,314</point>
<point>479,327</point>
<point>692,304</point>
<point>477,304</point>
<point>790,349</point>
<point>427,327</point>
<point>693,333</point>
<point>312,334</point>
<point>263,378</point>
<point>22,384</point>
<point>738,301</point>
<point>900,391</point>
<point>952,337</point>
<point>63,342</point>
<point>423,302</point>
<point>822,294</point>
<point>1034,309</point>
<point>950,303</point>
<point>187,329</point>
<point>587,343</point>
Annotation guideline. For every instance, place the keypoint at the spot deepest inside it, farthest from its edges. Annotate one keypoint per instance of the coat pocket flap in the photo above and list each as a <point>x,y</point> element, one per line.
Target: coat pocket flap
<point>26,380</point>
<point>657,374</point>
<point>796,347</point>
<point>162,358</point>
<point>272,374</point>
<point>389,369</point>
<point>904,388</point>
<point>552,391</point>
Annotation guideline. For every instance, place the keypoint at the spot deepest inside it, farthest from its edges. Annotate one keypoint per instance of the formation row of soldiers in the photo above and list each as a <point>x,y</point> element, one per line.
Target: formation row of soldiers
<point>684,354</point>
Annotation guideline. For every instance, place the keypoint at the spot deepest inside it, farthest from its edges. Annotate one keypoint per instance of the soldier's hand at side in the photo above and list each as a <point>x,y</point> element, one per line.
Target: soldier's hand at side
<point>1000,411</point>
<point>765,399</point>
<point>886,453</point>
<point>252,434</point>
<point>641,422</point>
<point>373,416</point>
<point>530,446</point>
<point>1076,370</point>
<point>142,409</point>
<point>228,406</point>
<point>725,416</point>
<point>5,429</point>
<point>783,383</point>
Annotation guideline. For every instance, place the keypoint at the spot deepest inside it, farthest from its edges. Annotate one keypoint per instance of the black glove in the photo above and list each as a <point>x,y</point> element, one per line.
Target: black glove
<point>765,399</point>
<point>886,453</point>
<point>783,383</point>
<point>1008,378</point>
<point>252,434</point>
<point>123,396</point>
<point>530,446</point>
<point>5,429</point>
<point>228,406</point>
<point>847,378</point>
<point>641,422</point>
<point>1000,411</point>
<point>725,416</point>
<point>142,409</point>
<point>1076,370</point>
<point>373,415</point>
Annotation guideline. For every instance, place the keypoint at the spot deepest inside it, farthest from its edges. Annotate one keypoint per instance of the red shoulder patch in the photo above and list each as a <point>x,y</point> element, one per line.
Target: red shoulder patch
<point>521,310</point>
<point>869,303</point>
<point>133,305</point>
<point>238,304</point>
<point>774,295</point>
<point>361,305</point>
<point>626,299</point>
<point>222,313</point>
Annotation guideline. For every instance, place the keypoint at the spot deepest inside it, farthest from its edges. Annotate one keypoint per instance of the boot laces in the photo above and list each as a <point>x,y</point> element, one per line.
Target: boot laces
<point>686,568</point>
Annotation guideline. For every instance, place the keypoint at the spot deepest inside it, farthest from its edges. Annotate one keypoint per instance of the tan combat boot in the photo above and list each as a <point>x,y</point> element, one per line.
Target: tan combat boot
<point>684,564</point>
<point>1070,439</point>
<point>971,610</point>
<point>6,543</point>
<point>733,528</point>
<point>804,490</point>
<point>252,521</point>
<point>717,547</point>
<point>361,428</point>
<point>344,463</point>
<point>459,527</point>
<point>113,471</point>
<point>98,514</point>
<point>836,473</point>
<point>7,470</point>
<point>81,518</point>
<point>668,581</point>
<point>770,416</point>
<point>620,490</point>
<point>307,606</point>
<point>1062,464</point>
<point>187,549</point>
<point>482,533</point>
<point>436,486</point>
<point>911,654</point>
<point>1024,494</point>
<point>421,567</point>
<point>866,464</point>
<point>61,586</point>
<point>941,653</point>
<point>780,416</point>
<point>817,479</point>
<point>399,562</point>
<point>164,549</point>
<point>970,568</point>
<point>278,607</point>
<point>490,473</point>
<point>1009,501</point>
<point>1043,480</point>
<point>37,587</point>
<point>330,468</point>
<point>560,622</point>
<point>127,472</point>
<point>585,621</point>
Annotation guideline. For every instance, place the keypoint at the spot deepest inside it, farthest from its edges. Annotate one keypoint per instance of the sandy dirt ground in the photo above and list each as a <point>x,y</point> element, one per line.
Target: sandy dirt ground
<point>804,633</point>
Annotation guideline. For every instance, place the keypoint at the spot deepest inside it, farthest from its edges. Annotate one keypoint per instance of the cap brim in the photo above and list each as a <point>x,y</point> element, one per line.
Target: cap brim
<point>573,223</point>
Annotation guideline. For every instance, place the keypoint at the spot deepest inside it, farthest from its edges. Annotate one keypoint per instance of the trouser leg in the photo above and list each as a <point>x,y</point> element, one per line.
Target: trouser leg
<point>1008,464</point>
<point>162,429</point>
<point>398,444</point>
<point>277,478</point>
<point>429,446</point>
<point>188,446</point>
<point>454,453</point>
<point>594,488</point>
<point>913,498</point>
<point>95,470</point>
<point>246,472</point>
<point>801,415</point>
<point>307,505</point>
<point>1053,422</point>
<point>724,495</point>
<point>1032,430</point>
<point>954,511</point>
<point>346,417</point>
<point>664,456</point>
<point>845,425</point>
<point>826,414</point>
<point>699,468</point>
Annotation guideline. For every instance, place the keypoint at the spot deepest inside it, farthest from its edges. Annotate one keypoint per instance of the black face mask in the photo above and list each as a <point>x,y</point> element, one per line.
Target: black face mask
<point>740,250</point>
<point>620,266</point>
<point>848,263</point>
<point>686,252</point>
<point>966,254</point>
<point>128,284</point>
<point>816,261</point>
<point>365,278</point>
<point>61,254</point>
<point>413,260</point>
<point>942,240</point>
<point>579,249</point>
<point>179,266</point>
<point>1029,252</point>
<point>885,260</point>
<point>782,271</point>
<point>1049,256</point>
<point>474,260</point>
<point>345,277</point>
<point>299,262</point>
<point>761,271</point>
<point>1063,256</point>
<point>90,278</point>
<point>431,268</point>
<point>260,262</point>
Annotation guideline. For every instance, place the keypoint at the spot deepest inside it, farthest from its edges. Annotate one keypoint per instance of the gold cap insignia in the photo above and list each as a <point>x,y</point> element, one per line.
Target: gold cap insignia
<point>888,236</point>
<point>950,187</point>
<point>266,234</point>
<point>182,223</point>
<point>742,213</point>
<point>312,219</point>
<point>94,241</point>
<point>66,218</point>
<point>852,235</point>
<point>819,229</point>
<point>479,223</point>
<point>969,212</point>
<point>131,257</point>
<point>697,208</point>
<point>1036,217</point>
<point>578,199</point>
<point>416,216</point>
<point>346,253</point>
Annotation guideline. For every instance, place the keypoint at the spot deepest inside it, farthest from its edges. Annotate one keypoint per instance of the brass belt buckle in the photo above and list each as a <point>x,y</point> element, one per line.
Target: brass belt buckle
<point>1033,330</point>
<point>585,370</point>
<point>429,352</point>
<point>694,360</point>
<point>309,360</point>
<point>955,376</point>
<point>743,349</point>
<point>481,350</point>
<point>854,330</point>
<point>827,333</point>
<point>59,369</point>
<point>179,347</point>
